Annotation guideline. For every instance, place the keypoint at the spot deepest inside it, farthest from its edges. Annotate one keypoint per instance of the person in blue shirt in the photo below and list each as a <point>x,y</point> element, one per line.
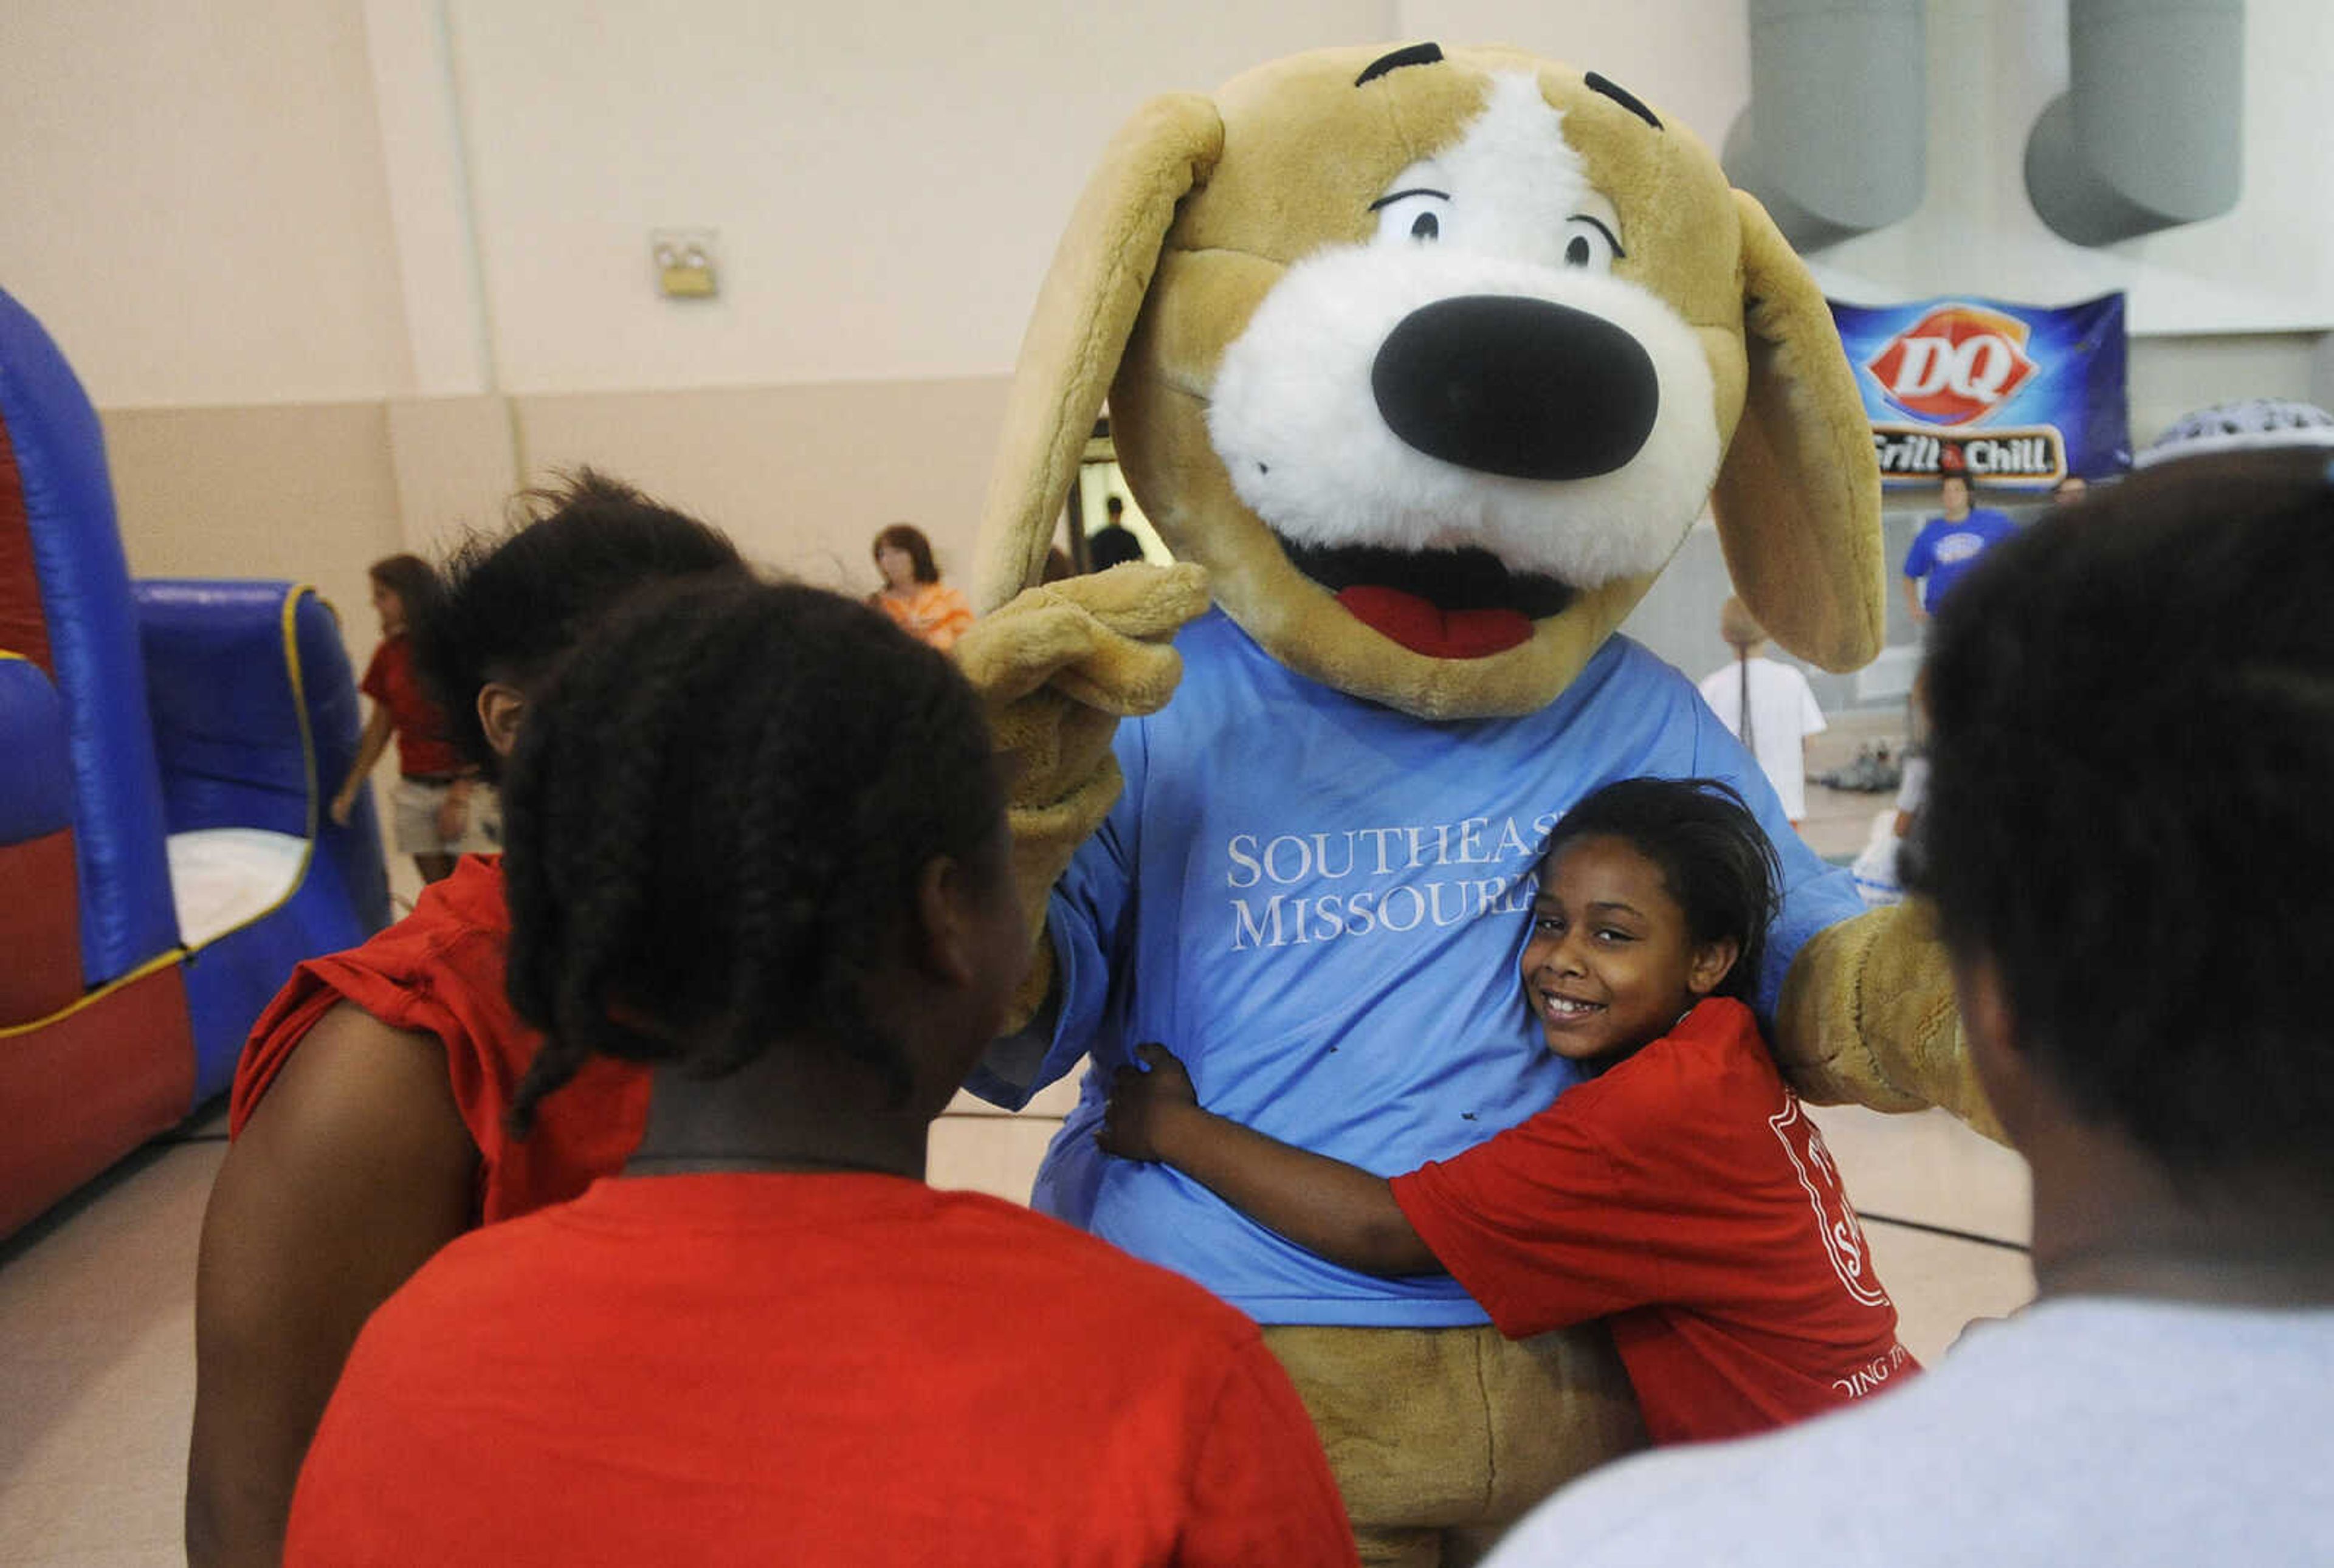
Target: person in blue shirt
<point>1949,545</point>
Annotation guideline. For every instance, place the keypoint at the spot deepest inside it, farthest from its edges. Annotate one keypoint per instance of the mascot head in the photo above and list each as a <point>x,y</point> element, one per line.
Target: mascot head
<point>1432,359</point>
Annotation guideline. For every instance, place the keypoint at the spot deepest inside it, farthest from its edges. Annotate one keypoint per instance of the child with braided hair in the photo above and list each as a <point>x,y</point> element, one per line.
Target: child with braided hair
<point>758,843</point>
<point>367,1117</point>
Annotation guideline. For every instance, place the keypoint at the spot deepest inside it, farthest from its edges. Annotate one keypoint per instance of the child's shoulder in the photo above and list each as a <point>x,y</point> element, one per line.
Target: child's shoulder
<point>1719,1035</point>
<point>1715,1055</point>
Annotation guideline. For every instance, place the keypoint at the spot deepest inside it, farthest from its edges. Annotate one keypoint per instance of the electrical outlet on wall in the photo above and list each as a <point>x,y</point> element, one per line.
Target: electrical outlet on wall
<point>683,260</point>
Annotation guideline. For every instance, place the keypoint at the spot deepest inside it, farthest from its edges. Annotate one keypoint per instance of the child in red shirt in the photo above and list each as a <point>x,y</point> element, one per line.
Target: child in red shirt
<point>757,844</point>
<point>429,813</point>
<point>438,973</point>
<point>368,1114</point>
<point>1681,1193</point>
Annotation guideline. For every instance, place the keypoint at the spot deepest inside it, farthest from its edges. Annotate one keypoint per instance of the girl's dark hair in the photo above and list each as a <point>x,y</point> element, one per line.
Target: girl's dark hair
<point>2132,745</point>
<point>907,536</point>
<point>1713,857</point>
<point>515,603</point>
<point>714,822</point>
<point>414,582</point>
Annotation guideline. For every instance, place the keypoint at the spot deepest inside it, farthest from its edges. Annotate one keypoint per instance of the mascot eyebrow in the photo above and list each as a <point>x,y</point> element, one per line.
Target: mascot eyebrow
<point>1432,55</point>
<point>1416,55</point>
<point>1622,96</point>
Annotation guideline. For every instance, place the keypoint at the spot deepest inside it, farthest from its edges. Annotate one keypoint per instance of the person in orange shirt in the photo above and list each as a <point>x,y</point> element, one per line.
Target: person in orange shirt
<point>912,593</point>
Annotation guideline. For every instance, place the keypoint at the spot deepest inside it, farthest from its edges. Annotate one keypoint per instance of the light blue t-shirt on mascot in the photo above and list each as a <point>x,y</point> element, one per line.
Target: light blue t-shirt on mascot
<point>1318,904</point>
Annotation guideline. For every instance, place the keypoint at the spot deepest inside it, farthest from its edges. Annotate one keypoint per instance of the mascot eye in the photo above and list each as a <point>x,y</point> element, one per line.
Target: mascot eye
<point>1589,244</point>
<point>1415,214</point>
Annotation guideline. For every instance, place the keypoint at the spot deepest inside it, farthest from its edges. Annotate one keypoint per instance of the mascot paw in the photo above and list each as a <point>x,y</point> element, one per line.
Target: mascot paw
<point>1867,1018</point>
<point>1058,666</point>
<point>1099,640</point>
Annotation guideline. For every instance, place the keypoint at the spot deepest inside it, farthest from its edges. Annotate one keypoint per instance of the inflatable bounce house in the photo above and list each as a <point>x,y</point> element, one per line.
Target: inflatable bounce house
<point>165,858</point>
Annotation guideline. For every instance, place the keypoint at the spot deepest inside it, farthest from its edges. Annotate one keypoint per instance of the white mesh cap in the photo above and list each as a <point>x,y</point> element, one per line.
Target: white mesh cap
<point>2243,426</point>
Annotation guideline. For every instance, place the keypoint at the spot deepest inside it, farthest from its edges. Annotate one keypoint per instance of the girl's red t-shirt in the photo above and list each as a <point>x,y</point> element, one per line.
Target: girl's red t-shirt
<point>423,747</point>
<point>439,971</point>
<point>810,1370</point>
<point>1685,1196</point>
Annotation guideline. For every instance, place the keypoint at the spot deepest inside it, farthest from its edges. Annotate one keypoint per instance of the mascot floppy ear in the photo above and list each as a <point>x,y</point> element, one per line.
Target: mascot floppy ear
<point>1797,506</point>
<point>1085,313</point>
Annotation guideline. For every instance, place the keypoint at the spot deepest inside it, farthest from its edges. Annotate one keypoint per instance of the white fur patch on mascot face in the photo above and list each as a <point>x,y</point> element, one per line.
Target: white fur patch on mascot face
<point>1300,414</point>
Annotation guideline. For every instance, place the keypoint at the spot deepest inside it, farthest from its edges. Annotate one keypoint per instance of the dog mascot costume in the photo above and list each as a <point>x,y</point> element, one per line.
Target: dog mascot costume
<point>1424,364</point>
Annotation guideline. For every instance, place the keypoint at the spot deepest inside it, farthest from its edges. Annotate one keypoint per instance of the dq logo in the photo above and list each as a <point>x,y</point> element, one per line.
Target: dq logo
<point>1955,364</point>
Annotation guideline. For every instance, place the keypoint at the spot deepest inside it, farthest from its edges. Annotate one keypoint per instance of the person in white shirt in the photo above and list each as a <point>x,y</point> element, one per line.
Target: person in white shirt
<point>2136,925</point>
<point>1766,704</point>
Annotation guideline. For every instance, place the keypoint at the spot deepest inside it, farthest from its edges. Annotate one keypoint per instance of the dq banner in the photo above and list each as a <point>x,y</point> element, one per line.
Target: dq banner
<point>2028,394</point>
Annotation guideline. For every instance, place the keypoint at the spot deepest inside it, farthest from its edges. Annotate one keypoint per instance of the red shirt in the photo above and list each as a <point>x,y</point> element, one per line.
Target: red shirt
<point>809,1370</point>
<point>439,971</point>
<point>422,746</point>
<point>1684,1195</point>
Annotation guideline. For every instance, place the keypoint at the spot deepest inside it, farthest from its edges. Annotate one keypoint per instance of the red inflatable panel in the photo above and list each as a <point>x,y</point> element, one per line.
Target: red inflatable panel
<point>39,921</point>
<point>83,1085</point>
<point>24,625</point>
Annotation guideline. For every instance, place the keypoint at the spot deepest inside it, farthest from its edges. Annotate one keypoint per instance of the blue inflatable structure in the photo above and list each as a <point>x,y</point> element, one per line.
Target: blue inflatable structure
<point>165,749</point>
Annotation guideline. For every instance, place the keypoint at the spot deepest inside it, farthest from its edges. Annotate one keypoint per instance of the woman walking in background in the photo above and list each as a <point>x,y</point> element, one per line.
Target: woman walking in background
<point>431,807</point>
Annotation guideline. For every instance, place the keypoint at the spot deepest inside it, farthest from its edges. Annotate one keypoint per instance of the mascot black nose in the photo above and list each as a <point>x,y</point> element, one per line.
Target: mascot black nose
<point>1520,387</point>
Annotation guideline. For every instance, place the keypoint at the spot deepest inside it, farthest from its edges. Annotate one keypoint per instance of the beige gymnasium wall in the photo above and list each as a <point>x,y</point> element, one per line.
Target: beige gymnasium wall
<point>339,272</point>
<point>297,490</point>
<point>801,477</point>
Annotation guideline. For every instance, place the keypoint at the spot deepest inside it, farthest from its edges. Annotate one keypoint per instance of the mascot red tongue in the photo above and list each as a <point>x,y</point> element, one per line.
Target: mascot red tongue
<point>1425,628</point>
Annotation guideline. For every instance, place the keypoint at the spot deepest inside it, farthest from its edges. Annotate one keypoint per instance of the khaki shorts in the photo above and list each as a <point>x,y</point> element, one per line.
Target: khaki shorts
<point>1440,1438</point>
<point>413,819</point>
